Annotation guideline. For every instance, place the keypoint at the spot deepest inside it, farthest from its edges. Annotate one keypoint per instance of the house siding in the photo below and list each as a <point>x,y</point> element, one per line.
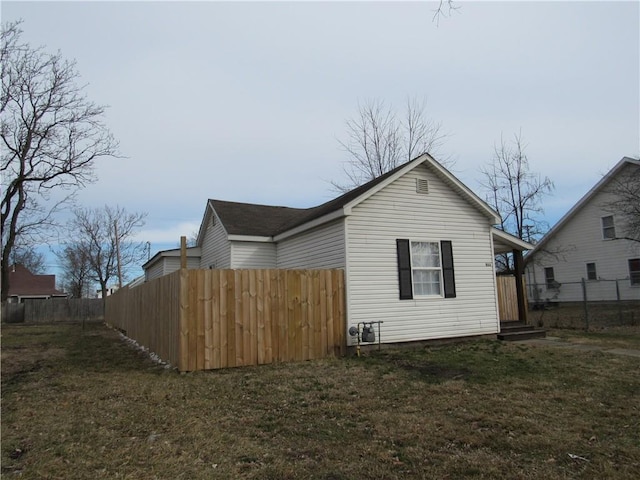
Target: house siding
<point>167,265</point>
<point>171,264</point>
<point>253,255</point>
<point>578,242</point>
<point>323,247</point>
<point>397,211</point>
<point>216,248</point>
<point>154,271</point>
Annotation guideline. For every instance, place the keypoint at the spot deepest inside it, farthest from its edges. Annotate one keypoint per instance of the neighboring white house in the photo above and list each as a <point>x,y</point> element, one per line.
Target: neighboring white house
<point>167,261</point>
<point>110,291</point>
<point>417,247</point>
<point>586,244</point>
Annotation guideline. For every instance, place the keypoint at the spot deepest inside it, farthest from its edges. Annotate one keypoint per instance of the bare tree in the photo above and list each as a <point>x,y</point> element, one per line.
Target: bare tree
<point>29,258</point>
<point>444,9</point>
<point>105,238</point>
<point>51,137</point>
<point>378,140</point>
<point>516,193</point>
<point>76,271</point>
<point>625,190</point>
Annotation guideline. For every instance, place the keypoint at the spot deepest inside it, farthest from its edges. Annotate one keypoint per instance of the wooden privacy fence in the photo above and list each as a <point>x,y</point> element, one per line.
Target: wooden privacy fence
<point>149,314</point>
<point>208,319</point>
<point>54,310</point>
<point>507,297</point>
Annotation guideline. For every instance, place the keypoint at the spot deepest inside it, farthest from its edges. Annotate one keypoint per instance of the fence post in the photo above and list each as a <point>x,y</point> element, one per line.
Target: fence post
<point>618,302</point>
<point>586,305</point>
<point>183,321</point>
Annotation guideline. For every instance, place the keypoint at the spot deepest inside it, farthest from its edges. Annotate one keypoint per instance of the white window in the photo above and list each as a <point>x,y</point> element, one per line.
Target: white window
<point>426,269</point>
<point>591,271</point>
<point>634,271</point>
<point>550,278</point>
<point>608,228</point>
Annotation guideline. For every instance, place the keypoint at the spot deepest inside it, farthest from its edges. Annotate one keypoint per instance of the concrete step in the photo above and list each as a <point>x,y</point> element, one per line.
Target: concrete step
<point>515,328</point>
<point>521,335</point>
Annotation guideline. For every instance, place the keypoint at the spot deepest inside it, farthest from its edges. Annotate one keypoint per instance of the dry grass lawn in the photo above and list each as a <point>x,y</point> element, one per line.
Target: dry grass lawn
<point>85,404</point>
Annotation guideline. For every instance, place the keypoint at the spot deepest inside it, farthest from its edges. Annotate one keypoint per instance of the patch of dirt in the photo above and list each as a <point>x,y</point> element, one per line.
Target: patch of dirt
<point>19,360</point>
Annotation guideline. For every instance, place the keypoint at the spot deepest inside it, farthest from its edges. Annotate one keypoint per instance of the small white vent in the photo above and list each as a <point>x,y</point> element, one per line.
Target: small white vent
<point>422,186</point>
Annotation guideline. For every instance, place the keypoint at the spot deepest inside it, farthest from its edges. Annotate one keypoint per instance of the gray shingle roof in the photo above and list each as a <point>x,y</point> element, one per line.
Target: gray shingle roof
<point>267,221</point>
<point>251,219</point>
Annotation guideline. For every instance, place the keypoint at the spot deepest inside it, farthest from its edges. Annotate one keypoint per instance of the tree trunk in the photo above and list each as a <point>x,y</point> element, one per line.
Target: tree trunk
<point>5,275</point>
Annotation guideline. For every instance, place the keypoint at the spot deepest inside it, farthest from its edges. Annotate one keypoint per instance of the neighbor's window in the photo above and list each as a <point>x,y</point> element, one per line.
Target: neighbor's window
<point>608,228</point>
<point>591,271</point>
<point>549,277</point>
<point>426,268</point>
<point>634,271</point>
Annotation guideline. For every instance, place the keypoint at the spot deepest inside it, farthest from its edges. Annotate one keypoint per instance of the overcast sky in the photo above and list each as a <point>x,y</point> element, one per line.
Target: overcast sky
<point>247,101</point>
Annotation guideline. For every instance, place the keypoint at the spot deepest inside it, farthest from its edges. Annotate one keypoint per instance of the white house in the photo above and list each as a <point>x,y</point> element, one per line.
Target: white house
<point>417,247</point>
<point>586,244</point>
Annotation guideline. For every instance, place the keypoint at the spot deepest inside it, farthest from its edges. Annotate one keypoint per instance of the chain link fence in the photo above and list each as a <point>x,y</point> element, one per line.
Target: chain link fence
<point>586,304</point>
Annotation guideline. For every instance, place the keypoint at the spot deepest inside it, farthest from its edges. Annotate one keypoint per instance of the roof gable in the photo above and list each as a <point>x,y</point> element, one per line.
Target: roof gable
<point>573,211</point>
<point>269,221</point>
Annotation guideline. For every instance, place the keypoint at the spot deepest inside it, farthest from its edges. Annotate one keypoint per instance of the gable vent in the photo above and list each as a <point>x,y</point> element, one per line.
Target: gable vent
<point>422,186</point>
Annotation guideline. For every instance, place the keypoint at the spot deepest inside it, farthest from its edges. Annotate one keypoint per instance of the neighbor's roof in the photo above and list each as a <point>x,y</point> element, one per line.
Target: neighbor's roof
<point>583,201</point>
<point>173,252</point>
<point>24,283</point>
<point>269,221</point>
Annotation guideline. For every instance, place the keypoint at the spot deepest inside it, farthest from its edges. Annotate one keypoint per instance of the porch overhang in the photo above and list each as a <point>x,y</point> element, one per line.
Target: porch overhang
<point>506,243</point>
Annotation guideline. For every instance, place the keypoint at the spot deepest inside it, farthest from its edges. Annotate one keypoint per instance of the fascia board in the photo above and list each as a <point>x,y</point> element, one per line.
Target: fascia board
<point>203,222</point>
<point>249,238</point>
<point>490,212</point>
<point>340,213</point>
<point>205,219</point>
<point>426,158</point>
<point>511,240</point>
<point>410,166</point>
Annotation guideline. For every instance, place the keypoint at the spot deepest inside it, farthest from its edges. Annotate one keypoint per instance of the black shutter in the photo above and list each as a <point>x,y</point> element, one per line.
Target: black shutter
<point>404,269</point>
<point>447,269</point>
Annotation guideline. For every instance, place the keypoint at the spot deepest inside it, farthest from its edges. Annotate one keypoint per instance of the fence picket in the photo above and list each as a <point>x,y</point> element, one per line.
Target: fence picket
<point>207,319</point>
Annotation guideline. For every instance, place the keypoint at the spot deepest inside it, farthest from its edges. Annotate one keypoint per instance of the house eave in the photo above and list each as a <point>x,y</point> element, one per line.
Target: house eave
<point>335,215</point>
<point>460,187</point>
<point>250,238</point>
<point>505,243</point>
<point>471,196</point>
<point>175,252</point>
<point>201,231</point>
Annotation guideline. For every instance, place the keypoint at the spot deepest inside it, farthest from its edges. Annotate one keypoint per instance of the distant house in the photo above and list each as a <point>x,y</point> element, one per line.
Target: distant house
<point>586,244</point>
<point>417,247</point>
<point>24,285</point>
<point>110,291</point>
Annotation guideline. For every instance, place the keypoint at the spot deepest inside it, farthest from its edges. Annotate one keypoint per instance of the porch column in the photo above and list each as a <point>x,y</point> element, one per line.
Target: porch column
<point>518,262</point>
